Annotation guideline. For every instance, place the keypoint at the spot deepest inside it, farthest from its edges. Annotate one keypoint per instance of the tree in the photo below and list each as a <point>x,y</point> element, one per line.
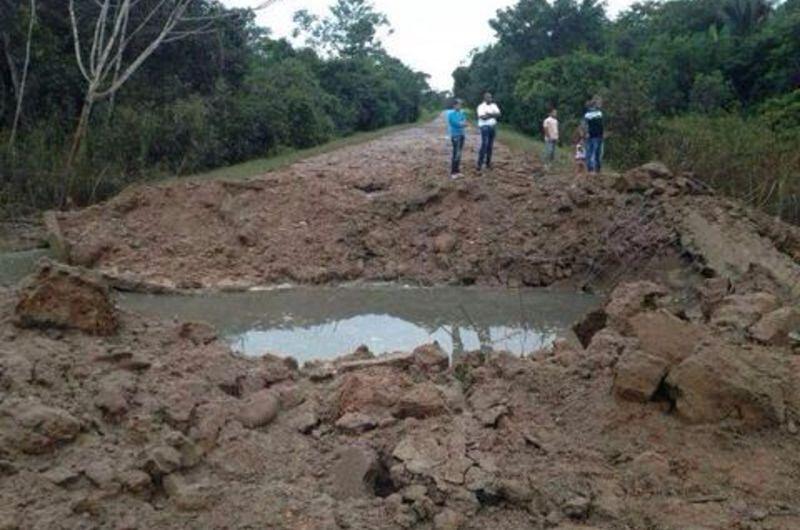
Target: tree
<point>19,80</point>
<point>743,16</point>
<point>351,29</point>
<point>110,58</point>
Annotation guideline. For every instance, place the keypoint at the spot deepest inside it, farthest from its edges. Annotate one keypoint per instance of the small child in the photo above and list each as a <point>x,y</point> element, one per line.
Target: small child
<point>580,151</point>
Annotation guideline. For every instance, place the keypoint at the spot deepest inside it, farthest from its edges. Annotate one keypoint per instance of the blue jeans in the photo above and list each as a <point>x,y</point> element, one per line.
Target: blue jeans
<point>458,148</point>
<point>594,154</point>
<point>549,151</point>
<point>487,146</point>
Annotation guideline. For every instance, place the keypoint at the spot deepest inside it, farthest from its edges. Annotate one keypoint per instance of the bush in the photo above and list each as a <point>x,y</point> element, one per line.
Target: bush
<point>740,157</point>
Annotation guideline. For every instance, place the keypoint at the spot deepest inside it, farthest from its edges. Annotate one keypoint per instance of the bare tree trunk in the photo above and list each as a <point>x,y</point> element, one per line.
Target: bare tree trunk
<point>21,94</point>
<point>80,130</point>
<point>12,67</point>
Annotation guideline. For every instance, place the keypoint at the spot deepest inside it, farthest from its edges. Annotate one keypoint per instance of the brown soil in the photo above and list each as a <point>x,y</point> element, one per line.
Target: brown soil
<point>681,413</point>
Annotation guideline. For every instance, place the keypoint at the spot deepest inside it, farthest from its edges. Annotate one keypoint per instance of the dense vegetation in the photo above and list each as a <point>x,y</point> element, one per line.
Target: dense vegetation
<point>217,90</point>
<point>709,86</point>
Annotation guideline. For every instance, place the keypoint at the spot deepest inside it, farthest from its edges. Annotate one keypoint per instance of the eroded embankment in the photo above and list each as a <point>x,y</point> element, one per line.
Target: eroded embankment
<point>386,211</point>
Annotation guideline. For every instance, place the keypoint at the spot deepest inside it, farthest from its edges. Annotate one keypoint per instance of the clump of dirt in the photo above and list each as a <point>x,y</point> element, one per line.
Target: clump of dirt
<point>672,417</point>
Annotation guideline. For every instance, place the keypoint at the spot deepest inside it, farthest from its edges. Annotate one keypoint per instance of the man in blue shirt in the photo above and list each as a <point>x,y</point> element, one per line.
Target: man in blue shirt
<point>593,125</point>
<point>456,123</point>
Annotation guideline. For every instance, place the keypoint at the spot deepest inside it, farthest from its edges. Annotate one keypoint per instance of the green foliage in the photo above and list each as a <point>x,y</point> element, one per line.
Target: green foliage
<point>217,98</point>
<point>711,93</point>
<point>350,30</point>
<point>671,72</point>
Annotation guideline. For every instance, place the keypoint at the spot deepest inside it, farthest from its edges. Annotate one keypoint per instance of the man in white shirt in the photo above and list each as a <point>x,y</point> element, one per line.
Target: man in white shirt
<point>488,112</point>
<point>550,128</point>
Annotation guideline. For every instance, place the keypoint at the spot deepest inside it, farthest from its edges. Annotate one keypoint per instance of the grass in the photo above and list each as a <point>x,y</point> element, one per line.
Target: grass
<point>522,143</point>
<point>286,158</point>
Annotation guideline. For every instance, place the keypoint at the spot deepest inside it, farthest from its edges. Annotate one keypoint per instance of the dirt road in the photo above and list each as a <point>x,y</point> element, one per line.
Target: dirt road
<point>679,410</point>
<point>384,210</point>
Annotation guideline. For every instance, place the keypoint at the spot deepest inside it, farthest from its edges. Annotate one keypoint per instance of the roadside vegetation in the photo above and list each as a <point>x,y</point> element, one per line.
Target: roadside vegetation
<point>215,91</point>
<point>707,86</point>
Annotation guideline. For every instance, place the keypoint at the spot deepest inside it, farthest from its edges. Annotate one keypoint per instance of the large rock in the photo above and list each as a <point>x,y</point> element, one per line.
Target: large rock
<point>590,325</point>
<point>66,298</point>
<point>422,401</point>
<point>34,428</point>
<point>629,299</point>
<point>373,393</point>
<point>740,311</point>
<point>259,409</point>
<point>664,335</point>
<point>355,472</point>
<point>724,381</point>
<point>775,328</point>
<point>638,376</point>
<point>431,358</point>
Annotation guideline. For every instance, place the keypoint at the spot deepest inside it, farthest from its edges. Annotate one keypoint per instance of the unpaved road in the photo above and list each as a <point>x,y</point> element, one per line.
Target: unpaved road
<point>384,210</point>
<point>681,413</point>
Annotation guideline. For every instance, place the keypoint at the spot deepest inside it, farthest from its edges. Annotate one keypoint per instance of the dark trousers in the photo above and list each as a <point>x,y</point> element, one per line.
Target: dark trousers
<point>458,148</point>
<point>487,146</point>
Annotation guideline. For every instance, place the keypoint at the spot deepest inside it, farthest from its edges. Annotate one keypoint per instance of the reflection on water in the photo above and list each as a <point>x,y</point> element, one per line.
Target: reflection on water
<point>318,323</point>
<point>16,265</point>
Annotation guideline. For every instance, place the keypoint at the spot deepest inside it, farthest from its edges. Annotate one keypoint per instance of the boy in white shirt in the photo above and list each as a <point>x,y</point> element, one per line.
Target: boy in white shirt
<point>550,127</point>
<point>488,112</point>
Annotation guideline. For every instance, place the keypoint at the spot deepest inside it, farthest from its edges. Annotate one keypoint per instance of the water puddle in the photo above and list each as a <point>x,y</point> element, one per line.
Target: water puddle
<point>16,265</point>
<point>321,323</point>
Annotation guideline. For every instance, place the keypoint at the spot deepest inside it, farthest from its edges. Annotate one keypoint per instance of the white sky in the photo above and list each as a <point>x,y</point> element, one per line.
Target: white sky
<point>432,36</point>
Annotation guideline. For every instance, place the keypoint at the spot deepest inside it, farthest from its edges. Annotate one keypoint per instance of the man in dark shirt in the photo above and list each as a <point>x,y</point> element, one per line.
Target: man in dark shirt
<point>593,125</point>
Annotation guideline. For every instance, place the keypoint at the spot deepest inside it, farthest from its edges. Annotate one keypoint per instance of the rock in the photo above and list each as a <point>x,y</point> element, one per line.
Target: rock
<point>607,346</point>
<point>198,333</point>
<point>62,475</point>
<point>739,312</point>
<point>774,328</point>
<point>431,358</point>
<point>188,497</point>
<point>724,381</point>
<point>629,299</point>
<point>162,460</point>
<point>34,428</point>
<point>374,393</point>
<point>577,507</point>
<point>664,335</point>
<point>712,293</point>
<point>113,393</point>
<point>356,422</point>
<point>395,360</point>
<point>318,371</point>
<point>448,519</point>
<point>101,473</point>
<point>632,182</point>
<point>135,481</point>
<point>422,401</point>
<point>638,376</point>
<point>61,297</point>
<point>305,422</point>
<point>444,243</point>
<point>589,325</point>
<point>355,472</point>
<point>656,170</point>
<point>259,410</point>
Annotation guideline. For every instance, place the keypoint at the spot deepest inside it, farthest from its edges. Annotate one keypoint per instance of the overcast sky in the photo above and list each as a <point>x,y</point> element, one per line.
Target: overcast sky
<point>433,36</point>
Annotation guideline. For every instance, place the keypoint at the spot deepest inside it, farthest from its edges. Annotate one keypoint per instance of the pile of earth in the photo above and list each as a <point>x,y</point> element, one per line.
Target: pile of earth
<point>385,211</point>
<point>681,412</point>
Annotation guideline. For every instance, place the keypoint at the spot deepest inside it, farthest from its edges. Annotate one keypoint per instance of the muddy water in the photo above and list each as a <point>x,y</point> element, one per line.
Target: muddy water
<point>318,323</point>
<point>16,265</point>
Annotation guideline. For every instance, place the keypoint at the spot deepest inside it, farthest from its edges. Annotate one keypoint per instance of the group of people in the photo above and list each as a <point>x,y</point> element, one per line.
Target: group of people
<point>587,139</point>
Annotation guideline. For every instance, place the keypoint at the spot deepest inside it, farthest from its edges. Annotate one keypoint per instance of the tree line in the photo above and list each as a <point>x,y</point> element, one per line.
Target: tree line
<point>708,86</point>
<point>96,94</point>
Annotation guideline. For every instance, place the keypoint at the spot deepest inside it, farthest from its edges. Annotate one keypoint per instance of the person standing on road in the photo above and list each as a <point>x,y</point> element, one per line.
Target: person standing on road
<point>488,112</point>
<point>593,124</point>
<point>456,124</point>
<point>550,128</point>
